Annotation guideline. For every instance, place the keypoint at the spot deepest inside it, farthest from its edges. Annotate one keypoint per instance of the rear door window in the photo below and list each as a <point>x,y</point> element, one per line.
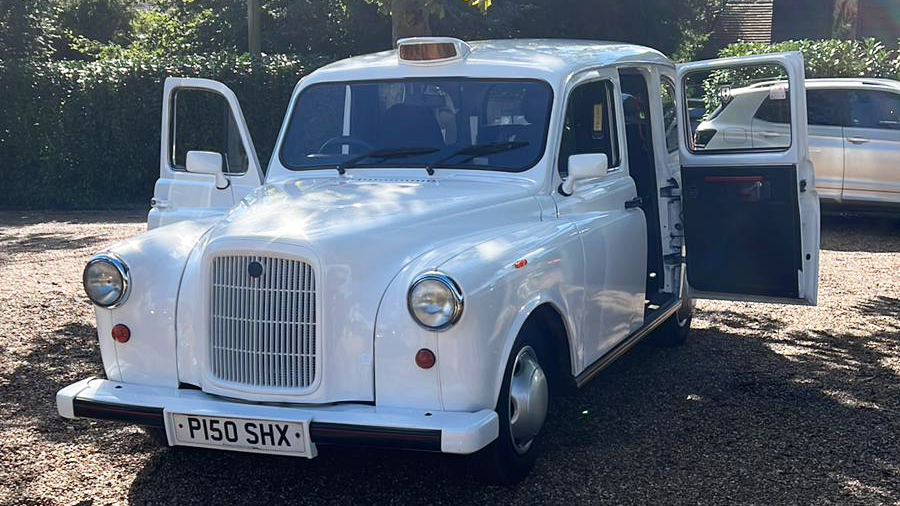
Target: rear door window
<point>827,107</point>
<point>875,109</point>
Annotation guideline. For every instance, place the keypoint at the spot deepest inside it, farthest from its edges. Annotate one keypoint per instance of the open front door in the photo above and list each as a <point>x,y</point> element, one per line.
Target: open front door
<point>751,212</point>
<point>200,115</point>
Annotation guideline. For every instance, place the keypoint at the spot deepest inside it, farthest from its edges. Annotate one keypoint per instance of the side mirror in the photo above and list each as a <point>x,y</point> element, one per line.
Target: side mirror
<point>586,166</point>
<point>207,162</point>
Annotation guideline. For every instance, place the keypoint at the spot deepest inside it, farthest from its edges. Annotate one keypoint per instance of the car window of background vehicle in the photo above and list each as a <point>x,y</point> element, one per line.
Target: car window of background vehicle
<point>827,107</point>
<point>875,109</point>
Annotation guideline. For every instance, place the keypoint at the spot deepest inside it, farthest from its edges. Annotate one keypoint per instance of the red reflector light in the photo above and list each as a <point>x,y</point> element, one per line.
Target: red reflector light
<point>520,263</point>
<point>425,358</point>
<point>121,333</point>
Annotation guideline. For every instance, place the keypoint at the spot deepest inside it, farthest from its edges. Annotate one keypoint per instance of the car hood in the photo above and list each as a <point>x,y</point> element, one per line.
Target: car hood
<point>357,234</point>
<point>317,211</point>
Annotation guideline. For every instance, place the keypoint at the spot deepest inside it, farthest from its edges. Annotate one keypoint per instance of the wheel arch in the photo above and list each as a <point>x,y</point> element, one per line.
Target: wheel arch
<point>548,319</point>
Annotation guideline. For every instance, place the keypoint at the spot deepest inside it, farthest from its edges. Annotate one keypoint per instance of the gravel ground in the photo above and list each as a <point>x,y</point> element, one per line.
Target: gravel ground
<point>767,404</point>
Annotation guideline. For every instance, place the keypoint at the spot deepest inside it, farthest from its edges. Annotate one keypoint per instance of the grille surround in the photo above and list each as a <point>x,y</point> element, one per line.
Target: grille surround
<point>263,330</point>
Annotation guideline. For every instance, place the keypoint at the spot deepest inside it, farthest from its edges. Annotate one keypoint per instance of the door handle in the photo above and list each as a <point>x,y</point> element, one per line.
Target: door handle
<point>770,135</point>
<point>858,140</point>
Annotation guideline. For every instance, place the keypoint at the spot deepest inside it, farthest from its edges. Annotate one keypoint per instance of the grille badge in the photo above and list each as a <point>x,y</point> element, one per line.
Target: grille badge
<point>255,269</point>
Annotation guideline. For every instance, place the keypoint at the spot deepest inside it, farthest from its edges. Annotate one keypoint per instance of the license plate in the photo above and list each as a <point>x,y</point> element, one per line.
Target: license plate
<point>242,434</point>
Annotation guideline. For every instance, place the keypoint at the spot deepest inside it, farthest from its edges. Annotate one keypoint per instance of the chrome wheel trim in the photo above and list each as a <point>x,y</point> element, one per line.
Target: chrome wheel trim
<point>528,399</point>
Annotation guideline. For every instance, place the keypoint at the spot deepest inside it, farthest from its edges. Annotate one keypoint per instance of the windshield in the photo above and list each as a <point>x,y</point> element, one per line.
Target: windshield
<point>438,122</point>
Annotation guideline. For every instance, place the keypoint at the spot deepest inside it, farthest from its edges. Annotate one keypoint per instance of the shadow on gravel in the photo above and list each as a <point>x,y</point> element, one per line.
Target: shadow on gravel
<point>881,305</point>
<point>36,242</point>
<point>22,218</point>
<point>724,419</point>
<point>861,233</point>
<point>56,359</point>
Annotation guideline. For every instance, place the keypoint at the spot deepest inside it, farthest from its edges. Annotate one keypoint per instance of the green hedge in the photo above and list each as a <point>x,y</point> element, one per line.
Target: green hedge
<point>86,134</point>
<point>831,57</point>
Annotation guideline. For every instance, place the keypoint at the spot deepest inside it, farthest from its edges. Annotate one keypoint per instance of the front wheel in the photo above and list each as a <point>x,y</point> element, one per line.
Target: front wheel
<point>522,409</point>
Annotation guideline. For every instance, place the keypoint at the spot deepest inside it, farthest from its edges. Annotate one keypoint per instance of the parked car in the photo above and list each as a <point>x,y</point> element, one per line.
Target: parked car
<point>448,236</point>
<point>854,135</point>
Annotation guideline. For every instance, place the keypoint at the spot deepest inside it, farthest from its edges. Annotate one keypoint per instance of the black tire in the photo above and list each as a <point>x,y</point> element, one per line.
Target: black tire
<point>675,330</point>
<point>501,461</point>
<point>158,436</point>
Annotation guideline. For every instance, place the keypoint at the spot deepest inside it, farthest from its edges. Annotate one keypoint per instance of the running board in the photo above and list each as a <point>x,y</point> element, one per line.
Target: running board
<point>618,350</point>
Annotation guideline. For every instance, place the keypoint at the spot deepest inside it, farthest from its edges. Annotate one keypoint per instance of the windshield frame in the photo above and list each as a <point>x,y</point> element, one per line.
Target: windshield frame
<point>295,104</point>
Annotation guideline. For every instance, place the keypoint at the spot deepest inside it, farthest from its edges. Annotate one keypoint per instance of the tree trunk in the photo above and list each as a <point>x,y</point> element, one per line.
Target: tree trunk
<point>846,16</point>
<point>409,18</point>
<point>254,43</point>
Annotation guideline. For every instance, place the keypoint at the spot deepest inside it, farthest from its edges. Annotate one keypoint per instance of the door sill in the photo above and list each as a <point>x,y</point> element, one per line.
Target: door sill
<point>658,317</point>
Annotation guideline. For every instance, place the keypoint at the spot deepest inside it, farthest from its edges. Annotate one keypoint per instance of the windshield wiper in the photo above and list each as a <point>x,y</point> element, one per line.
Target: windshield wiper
<point>474,151</point>
<point>384,154</point>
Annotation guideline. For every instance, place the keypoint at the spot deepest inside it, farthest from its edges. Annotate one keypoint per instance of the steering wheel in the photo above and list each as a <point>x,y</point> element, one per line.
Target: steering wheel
<point>345,140</point>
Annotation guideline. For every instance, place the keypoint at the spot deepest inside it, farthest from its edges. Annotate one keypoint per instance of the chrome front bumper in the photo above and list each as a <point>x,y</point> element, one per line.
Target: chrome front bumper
<point>346,424</point>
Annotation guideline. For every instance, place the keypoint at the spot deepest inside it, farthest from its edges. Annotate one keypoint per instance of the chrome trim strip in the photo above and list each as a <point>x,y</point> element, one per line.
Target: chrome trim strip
<point>620,349</point>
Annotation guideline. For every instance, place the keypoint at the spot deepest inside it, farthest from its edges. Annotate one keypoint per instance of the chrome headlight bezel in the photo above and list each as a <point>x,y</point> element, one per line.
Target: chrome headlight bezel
<point>455,295</point>
<point>121,268</point>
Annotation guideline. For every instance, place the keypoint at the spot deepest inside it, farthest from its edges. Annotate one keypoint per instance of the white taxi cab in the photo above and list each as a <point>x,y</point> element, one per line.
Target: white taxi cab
<point>447,236</point>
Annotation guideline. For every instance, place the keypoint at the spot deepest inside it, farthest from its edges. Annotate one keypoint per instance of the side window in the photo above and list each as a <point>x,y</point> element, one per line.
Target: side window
<point>732,98</point>
<point>590,125</point>
<point>875,109</point>
<point>670,114</point>
<point>826,107</point>
<point>774,111</point>
<point>202,121</point>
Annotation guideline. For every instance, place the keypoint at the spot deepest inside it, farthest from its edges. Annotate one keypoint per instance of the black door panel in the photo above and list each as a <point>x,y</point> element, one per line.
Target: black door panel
<point>742,230</point>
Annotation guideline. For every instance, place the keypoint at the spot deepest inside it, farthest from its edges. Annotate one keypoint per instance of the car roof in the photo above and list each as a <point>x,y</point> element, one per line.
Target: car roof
<point>851,82</point>
<point>833,82</point>
<point>546,58</point>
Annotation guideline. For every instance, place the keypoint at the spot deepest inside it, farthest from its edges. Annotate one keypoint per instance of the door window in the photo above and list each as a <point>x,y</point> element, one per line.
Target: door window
<point>670,114</point>
<point>826,107</point>
<point>875,109</point>
<point>731,98</point>
<point>203,122</point>
<point>774,111</point>
<point>590,125</point>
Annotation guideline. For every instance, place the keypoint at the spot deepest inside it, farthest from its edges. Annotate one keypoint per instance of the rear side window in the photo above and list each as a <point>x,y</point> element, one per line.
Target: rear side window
<point>826,107</point>
<point>590,125</point>
<point>875,109</point>
<point>774,111</point>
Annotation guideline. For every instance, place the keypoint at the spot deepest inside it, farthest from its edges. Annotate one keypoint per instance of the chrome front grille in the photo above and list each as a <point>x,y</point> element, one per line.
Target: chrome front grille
<point>263,321</point>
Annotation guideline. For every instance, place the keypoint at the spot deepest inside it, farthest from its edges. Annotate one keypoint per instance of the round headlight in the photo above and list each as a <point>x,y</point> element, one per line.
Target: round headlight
<point>435,301</point>
<point>106,280</point>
